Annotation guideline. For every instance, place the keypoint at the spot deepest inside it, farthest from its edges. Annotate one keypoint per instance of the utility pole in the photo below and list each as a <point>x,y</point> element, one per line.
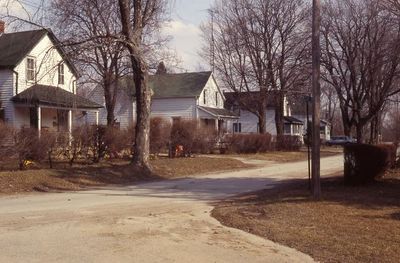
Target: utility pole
<point>316,105</point>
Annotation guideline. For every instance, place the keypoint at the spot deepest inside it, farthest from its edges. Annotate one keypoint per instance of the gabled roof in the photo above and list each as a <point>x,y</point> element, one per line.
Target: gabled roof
<point>179,85</point>
<point>249,98</point>
<point>53,96</point>
<point>15,46</point>
<point>292,120</point>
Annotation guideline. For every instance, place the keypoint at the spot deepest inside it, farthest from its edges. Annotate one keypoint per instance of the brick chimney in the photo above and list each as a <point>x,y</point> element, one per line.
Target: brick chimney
<point>2,26</point>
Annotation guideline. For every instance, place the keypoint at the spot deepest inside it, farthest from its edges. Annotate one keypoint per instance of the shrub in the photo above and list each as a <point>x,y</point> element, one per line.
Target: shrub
<point>288,143</point>
<point>363,163</point>
<point>27,146</point>
<point>5,131</point>
<point>160,131</point>
<point>249,143</point>
<point>192,137</point>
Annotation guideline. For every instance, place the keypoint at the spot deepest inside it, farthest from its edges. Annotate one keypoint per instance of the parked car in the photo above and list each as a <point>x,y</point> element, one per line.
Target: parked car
<point>340,140</point>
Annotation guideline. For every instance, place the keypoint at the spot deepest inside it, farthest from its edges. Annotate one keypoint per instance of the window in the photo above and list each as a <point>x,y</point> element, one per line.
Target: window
<point>30,69</point>
<point>61,73</point>
<point>216,98</point>
<point>205,97</point>
<point>237,127</point>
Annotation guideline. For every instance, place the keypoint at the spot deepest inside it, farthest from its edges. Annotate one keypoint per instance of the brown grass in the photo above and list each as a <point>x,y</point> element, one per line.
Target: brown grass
<point>349,225</point>
<point>81,176</point>
<point>285,157</point>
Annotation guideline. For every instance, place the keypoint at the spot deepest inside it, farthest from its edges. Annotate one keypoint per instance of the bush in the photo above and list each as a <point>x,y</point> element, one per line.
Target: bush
<point>288,143</point>
<point>363,163</point>
<point>160,131</point>
<point>28,147</point>
<point>192,137</point>
<point>249,143</point>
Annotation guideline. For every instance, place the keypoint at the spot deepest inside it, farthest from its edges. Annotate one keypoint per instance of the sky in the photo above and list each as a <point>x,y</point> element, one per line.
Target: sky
<point>184,27</point>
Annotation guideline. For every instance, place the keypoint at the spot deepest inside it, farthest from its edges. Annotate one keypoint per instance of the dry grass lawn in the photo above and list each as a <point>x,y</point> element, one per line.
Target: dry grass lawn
<point>284,157</point>
<point>80,176</point>
<point>349,225</point>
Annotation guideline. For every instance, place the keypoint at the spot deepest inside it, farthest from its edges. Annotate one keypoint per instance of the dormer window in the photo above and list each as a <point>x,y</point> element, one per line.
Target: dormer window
<point>205,97</point>
<point>61,73</point>
<point>30,69</point>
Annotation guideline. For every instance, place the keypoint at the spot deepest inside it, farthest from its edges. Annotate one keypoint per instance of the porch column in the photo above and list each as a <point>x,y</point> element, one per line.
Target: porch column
<point>216,125</point>
<point>39,120</point>
<point>70,126</point>
<point>97,118</point>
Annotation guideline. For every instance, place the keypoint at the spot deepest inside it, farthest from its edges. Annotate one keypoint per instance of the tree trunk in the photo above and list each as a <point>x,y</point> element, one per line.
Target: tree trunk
<point>109,101</point>
<point>279,123</point>
<point>132,31</point>
<point>359,133</point>
<point>143,103</point>
<point>261,123</point>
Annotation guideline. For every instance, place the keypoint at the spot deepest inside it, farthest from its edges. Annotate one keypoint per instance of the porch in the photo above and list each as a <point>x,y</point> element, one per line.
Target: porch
<point>216,118</point>
<point>48,108</point>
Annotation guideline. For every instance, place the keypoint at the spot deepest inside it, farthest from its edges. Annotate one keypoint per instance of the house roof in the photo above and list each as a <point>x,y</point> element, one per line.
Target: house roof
<point>249,98</point>
<point>292,120</point>
<point>54,96</point>
<point>178,85</point>
<point>219,112</point>
<point>15,46</point>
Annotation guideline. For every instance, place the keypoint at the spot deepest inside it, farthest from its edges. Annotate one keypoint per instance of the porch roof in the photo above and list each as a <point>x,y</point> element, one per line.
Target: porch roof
<point>219,113</point>
<point>54,97</point>
<point>292,120</point>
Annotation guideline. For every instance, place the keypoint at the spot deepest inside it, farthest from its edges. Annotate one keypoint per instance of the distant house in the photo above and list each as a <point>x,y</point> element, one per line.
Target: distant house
<point>299,111</point>
<point>248,122</point>
<point>38,83</point>
<point>193,95</point>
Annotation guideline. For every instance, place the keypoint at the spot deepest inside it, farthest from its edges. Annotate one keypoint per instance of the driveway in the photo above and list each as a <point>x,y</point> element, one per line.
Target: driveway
<point>166,221</point>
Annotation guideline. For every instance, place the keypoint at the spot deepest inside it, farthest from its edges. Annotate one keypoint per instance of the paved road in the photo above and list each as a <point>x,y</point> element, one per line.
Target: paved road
<point>166,221</point>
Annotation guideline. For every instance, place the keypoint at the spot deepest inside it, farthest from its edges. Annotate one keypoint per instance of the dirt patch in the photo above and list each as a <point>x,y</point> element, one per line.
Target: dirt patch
<point>349,225</point>
<point>81,176</point>
<point>285,157</point>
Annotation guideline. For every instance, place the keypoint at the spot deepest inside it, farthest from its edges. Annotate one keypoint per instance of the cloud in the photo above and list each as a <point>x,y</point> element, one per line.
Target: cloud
<point>186,41</point>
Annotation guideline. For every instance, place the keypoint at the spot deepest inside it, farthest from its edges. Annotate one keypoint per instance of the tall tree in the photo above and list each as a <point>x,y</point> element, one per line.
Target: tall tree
<point>361,58</point>
<point>136,16</point>
<point>259,45</point>
<point>87,28</point>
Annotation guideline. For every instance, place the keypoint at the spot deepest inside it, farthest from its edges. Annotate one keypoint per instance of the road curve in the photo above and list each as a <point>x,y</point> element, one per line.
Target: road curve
<point>165,221</point>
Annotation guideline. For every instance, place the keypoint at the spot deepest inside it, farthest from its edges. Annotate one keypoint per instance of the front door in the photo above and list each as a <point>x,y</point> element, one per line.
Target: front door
<point>33,118</point>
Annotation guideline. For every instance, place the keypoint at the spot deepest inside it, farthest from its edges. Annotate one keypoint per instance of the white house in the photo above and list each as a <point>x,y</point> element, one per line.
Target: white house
<point>248,122</point>
<point>299,111</point>
<point>38,82</point>
<point>193,95</point>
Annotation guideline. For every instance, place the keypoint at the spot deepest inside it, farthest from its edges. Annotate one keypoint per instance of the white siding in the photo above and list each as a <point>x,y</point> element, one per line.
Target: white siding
<point>47,60</point>
<point>249,122</point>
<point>212,90</point>
<point>124,110</point>
<point>174,107</point>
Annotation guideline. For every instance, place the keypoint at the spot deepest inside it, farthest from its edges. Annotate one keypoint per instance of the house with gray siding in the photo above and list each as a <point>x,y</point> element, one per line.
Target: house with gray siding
<point>38,83</point>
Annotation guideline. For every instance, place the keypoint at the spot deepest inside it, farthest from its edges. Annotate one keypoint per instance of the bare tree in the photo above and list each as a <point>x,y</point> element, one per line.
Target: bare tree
<point>88,28</point>
<point>361,57</point>
<point>137,16</point>
<point>258,45</point>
